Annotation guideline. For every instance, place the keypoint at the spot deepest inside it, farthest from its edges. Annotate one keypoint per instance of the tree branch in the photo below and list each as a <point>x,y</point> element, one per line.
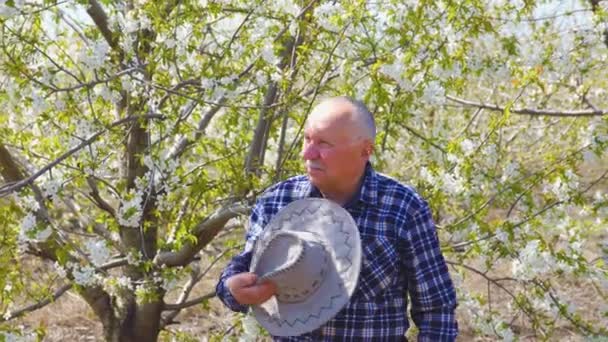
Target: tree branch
<point>528,111</point>
<point>205,232</point>
<point>254,158</point>
<point>181,303</point>
<point>101,203</point>
<point>189,303</point>
<point>100,18</point>
<point>16,185</point>
<point>38,305</point>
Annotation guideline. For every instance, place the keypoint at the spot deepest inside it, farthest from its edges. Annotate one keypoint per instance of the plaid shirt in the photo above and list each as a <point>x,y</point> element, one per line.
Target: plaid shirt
<point>400,254</point>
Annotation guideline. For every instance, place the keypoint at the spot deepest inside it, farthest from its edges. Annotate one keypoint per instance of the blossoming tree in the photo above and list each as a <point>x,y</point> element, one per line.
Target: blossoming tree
<point>132,133</point>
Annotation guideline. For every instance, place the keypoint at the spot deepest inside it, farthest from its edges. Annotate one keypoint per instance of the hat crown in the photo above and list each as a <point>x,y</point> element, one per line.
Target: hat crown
<point>296,263</point>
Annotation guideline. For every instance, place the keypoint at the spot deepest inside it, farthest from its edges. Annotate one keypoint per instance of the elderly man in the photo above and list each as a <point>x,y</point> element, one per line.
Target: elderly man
<point>400,247</point>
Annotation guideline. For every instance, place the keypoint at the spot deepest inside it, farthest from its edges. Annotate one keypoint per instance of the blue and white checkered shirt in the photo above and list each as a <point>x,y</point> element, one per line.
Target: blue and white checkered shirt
<point>400,255</point>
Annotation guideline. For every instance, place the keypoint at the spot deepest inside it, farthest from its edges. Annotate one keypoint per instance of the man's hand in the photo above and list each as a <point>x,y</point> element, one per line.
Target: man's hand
<point>245,290</point>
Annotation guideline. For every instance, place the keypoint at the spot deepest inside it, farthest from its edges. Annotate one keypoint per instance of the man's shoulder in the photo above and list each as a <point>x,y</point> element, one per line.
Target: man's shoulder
<point>286,190</point>
<point>396,193</point>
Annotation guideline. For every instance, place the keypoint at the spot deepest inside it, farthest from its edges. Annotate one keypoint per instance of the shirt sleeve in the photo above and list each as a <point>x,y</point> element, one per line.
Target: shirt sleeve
<point>432,294</point>
<point>240,263</point>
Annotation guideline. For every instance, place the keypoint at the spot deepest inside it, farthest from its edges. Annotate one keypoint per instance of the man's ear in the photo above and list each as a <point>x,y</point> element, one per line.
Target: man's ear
<point>368,149</point>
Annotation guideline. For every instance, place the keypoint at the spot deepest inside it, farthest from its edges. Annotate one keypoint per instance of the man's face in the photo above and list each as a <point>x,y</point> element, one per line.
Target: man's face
<point>334,150</point>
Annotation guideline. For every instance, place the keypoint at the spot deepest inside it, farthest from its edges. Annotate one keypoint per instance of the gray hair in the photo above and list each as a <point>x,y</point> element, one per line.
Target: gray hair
<point>363,116</point>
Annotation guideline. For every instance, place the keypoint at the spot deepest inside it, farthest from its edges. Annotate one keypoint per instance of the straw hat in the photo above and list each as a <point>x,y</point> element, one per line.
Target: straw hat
<point>311,250</point>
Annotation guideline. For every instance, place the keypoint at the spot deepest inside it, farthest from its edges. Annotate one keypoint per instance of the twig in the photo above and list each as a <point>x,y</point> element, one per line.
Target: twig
<point>38,305</point>
<point>529,111</point>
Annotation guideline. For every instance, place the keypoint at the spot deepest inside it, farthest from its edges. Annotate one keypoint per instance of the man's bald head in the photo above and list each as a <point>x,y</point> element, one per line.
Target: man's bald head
<point>349,111</point>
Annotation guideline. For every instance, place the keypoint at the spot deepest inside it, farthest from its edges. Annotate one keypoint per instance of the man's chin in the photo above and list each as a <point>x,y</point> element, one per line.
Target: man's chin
<point>315,179</point>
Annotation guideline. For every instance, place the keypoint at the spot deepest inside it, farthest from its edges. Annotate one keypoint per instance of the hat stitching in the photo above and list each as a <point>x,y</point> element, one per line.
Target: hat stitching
<point>310,316</point>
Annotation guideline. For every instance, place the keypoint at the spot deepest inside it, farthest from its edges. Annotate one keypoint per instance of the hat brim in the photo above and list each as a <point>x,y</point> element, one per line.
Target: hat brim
<point>339,232</point>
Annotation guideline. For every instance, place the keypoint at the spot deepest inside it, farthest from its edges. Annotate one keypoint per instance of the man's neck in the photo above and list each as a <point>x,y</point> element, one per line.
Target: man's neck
<point>343,197</point>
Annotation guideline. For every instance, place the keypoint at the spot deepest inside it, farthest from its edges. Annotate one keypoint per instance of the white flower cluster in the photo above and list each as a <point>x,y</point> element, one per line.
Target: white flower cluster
<point>532,262</point>
<point>510,171</point>
<point>135,20</point>
<point>434,93</point>
<point>130,210</point>
<point>134,258</point>
<point>98,252</point>
<point>487,324</point>
<point>124,282</point>
<point>84,276</point>
<point>8,11</point>
<point>106,94</point>
<point>425,175</point>
<point>50,188</point>
<point>268,54</point>
<point>161,169</point>
<point>325,12</point>
<point>287,6</point>
<point>396,71</point>
<point>59,270</point>
<point>468,147</point>
<point>561,187</point>
<point>452,183</point>
<point>115,285</point>
<point>30,232</point>
<point>94,58</point>
<point>39,104</point>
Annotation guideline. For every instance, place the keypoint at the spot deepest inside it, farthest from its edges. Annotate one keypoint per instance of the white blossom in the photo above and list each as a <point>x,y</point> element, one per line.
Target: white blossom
<point>434,93</point>
<point>98,252</point>
<point>467,146</point>
<point>287,6</point>
<point>84,276</point>
<point>39,104</point>
<point>558,188</point>
<point>131,211</point>
<point>325,12</point>
<point>98,54</point>
<point>452,158</point>
<point>124,282</point>
<point>452,183</point>
<point>7,11</point>
<point>28,203</point>
<point>501,236</point>
<point>426,175</point>
<point>532,262</point>
<point>28,224</point>
<point>133,258</point>
<point>396,71</point>
<point>268,55</point>
<point>51,187</point>
<point>510,170</point>
<point>60,270</point>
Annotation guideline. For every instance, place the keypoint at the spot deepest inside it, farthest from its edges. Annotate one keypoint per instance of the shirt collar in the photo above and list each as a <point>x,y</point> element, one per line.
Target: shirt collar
<point>367,193</point>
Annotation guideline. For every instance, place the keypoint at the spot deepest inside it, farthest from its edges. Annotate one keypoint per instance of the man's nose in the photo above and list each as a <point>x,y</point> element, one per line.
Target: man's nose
<point>310,152</point>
